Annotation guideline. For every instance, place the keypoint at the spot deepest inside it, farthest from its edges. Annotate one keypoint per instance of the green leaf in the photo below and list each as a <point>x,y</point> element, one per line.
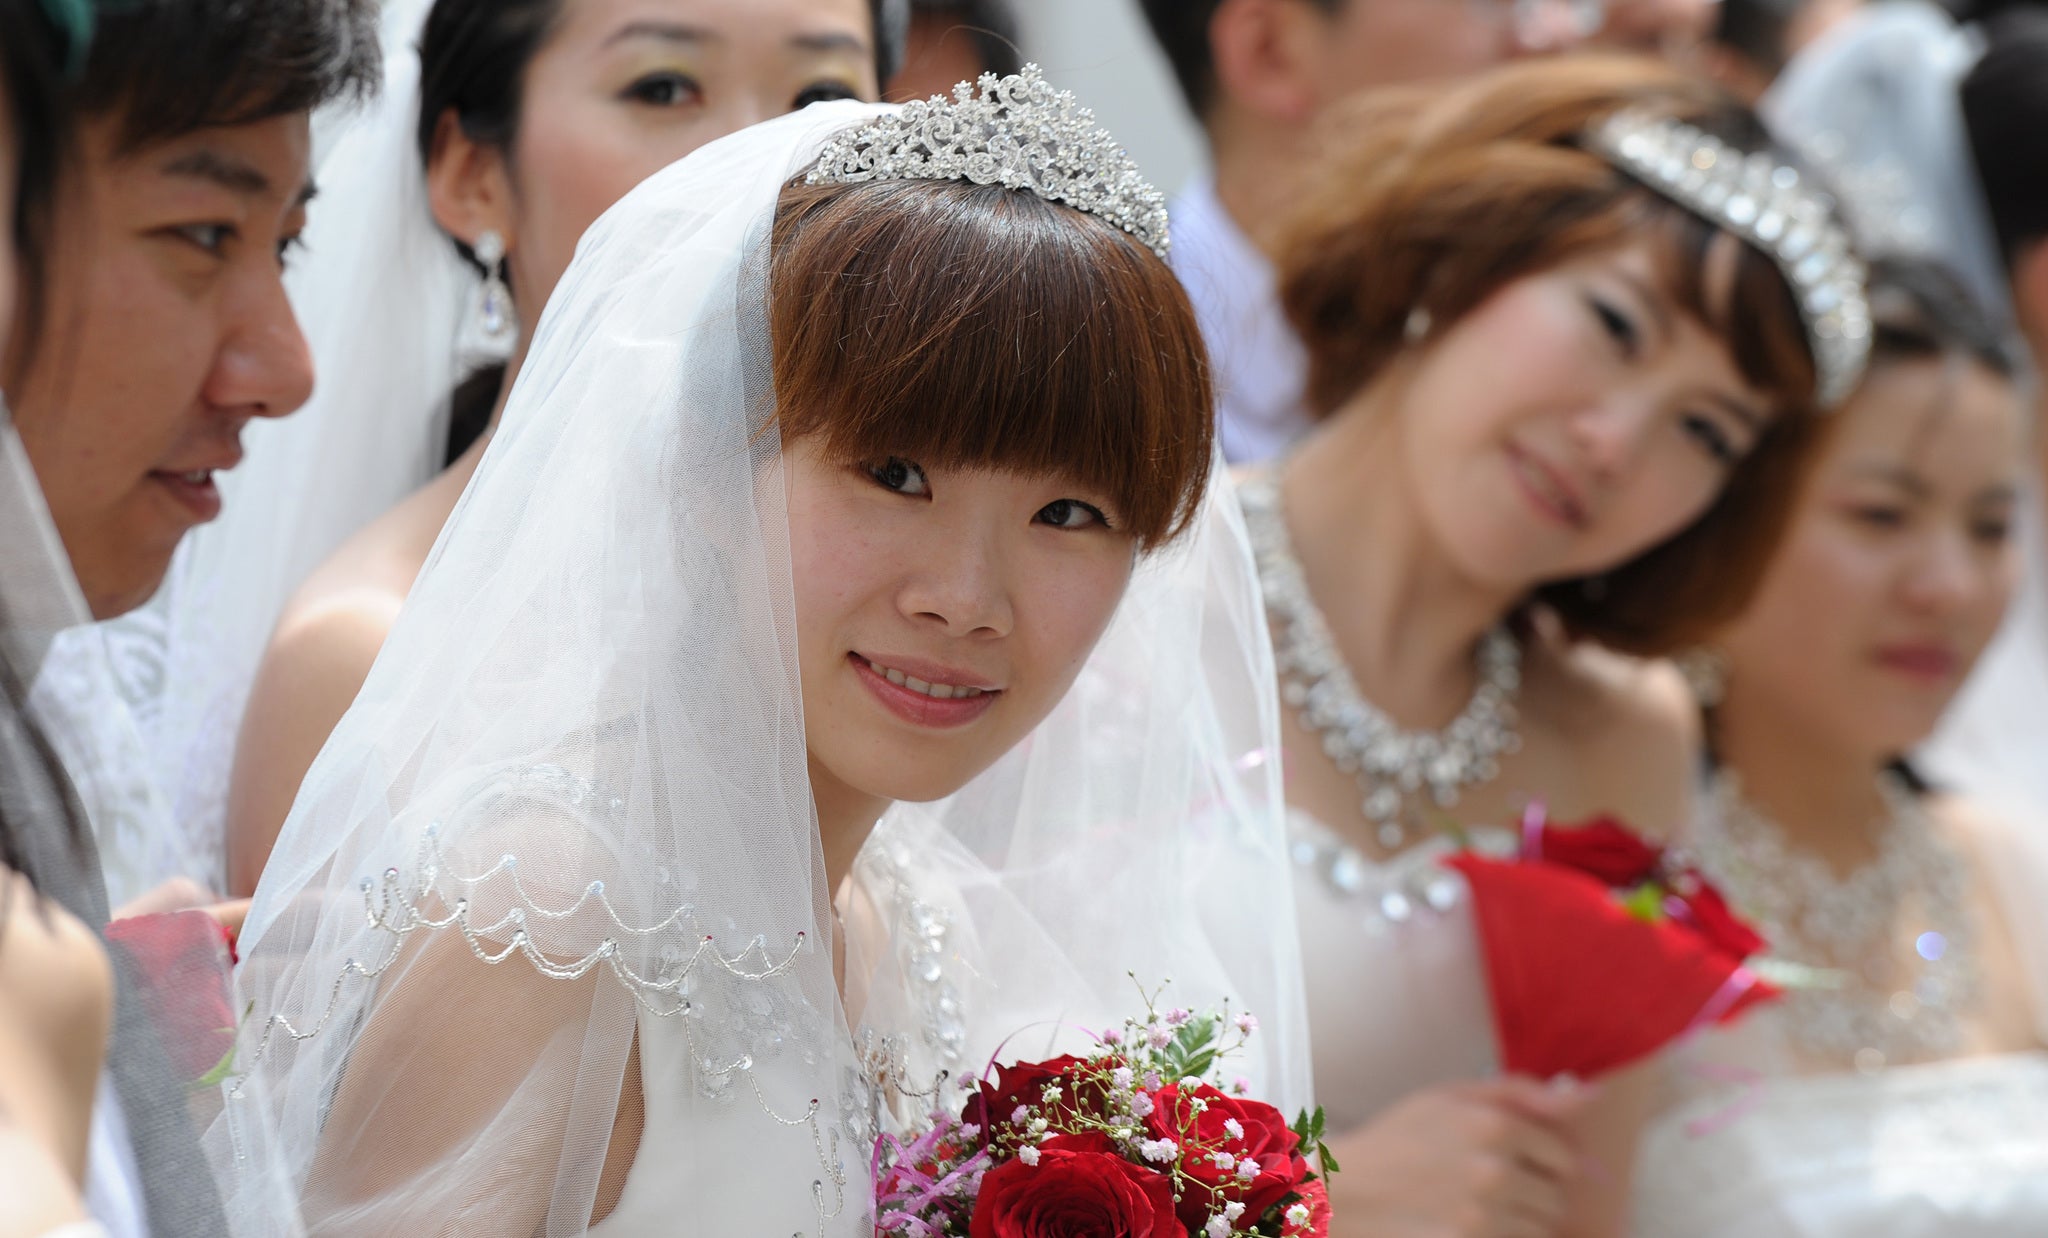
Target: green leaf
<point>1645,902</point>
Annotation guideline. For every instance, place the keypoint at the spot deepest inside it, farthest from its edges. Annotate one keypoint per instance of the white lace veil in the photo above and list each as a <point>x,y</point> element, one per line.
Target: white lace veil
<point>380,293</point>
<point>571,805</point>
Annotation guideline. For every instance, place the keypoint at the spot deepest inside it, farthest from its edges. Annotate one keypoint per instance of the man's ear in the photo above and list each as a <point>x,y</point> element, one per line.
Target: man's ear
<point>469,186</point>
<point>2030,295</point>
<point>1263,51</point>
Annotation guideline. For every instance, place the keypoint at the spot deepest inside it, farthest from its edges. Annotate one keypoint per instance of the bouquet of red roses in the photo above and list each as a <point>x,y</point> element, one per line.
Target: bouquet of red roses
<point>1602,947</point>
<point>1133,1140</point>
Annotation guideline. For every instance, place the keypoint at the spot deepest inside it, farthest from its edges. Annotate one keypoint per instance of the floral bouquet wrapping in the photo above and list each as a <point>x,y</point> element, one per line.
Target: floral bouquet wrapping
<point>1601,948</point>
<point>1134,1140</point>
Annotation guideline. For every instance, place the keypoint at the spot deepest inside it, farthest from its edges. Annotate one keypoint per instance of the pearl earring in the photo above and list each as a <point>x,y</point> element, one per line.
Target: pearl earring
<point>1417,326</point>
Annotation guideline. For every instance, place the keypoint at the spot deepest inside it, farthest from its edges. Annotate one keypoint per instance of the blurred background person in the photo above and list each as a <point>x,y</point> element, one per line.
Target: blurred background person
<point>1257,75</point>
<point>952,41</point>
<point>1902,1087</point>
<point>1562,415</point>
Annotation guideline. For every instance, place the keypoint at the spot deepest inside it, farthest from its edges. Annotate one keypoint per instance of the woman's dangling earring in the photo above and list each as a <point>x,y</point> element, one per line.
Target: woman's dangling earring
<point>1706,672</point>
<point>497,321</point>
<point>1417,327</point>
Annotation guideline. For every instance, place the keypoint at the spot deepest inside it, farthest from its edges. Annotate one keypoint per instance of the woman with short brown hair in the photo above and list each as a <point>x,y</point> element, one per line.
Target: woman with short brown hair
<point>1567,336</point>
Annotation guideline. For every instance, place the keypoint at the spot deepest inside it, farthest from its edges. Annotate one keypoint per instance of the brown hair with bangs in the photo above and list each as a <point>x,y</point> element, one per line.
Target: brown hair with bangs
<point>1433,198</point>
<point>979,327</point>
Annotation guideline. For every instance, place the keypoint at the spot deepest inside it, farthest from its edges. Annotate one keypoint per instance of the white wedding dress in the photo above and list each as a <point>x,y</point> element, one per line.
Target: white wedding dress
<point>1396,982</point>
<point>1945,1149</point>
<point>566,832</point>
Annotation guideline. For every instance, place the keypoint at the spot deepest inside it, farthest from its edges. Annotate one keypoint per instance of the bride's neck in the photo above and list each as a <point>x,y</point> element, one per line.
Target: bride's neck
<point>846,817</point>
<point>1403,616</point>
<point>1821,793</point>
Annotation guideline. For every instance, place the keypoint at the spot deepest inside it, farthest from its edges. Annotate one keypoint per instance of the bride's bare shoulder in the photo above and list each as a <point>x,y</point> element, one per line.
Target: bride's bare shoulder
<point>1633,725</point>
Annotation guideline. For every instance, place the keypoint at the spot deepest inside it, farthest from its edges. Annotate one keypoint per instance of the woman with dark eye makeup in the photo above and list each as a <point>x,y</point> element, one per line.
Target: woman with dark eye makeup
<point>523,122</point>
<point>1563,404</point>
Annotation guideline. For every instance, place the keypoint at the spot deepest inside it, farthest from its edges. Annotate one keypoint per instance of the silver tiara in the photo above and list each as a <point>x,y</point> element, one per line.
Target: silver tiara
<point>1768,204</point>
<point>1020,133</point>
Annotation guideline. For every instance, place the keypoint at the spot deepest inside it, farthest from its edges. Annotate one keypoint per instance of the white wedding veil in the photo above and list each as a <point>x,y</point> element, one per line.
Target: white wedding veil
<point>380,293</point>
<point>560,859</point>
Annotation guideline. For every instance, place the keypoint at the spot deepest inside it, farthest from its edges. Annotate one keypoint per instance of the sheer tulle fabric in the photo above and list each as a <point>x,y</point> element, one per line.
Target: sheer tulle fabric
<point>546,933</point>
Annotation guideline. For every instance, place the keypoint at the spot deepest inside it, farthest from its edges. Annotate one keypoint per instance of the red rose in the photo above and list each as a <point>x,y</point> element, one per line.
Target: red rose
<point>1021,1084</point>
<point>180,963</point>
<point>1265,1140</point>
<point>1603,848</point>
<point>1080,1185</point>
<point>1699,906</point>
<point>1318,1226</point>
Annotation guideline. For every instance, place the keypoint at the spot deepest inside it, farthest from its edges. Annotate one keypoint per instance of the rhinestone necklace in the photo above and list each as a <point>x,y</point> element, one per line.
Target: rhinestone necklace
<point>1393,767</point>
<point>1891,942</point>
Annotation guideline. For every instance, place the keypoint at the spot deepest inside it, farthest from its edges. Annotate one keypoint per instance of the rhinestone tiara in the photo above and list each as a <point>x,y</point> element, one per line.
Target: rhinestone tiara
<point>1020,133</point>
<point>1768,204</point>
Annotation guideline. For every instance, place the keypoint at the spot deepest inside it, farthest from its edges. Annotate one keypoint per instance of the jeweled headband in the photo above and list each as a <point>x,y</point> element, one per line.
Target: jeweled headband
<point>1020,133</point>
<point>1768,204</point>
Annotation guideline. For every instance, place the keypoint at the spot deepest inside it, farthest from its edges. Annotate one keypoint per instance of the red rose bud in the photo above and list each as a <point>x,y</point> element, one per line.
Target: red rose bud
<point>1700,907</point>
<point>1309,1216</point>
<point>179,962</point>
<point>1080,1185</point>
<point>1248,1131</point>
<point>1023,1085</point>
<point>1602,848</point>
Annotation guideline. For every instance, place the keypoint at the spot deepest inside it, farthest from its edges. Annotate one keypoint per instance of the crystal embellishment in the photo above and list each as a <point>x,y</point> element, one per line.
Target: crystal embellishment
<point>1019,132</point>
<point>1769,205</point>
<point>1394,767</point>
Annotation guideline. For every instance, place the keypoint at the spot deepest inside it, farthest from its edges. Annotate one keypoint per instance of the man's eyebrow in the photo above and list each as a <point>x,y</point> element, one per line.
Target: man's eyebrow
<point>232,174</point>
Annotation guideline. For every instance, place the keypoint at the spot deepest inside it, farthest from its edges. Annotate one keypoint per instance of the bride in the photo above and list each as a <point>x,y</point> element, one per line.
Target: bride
<point>841,445</point>
<point>1903,1089</point>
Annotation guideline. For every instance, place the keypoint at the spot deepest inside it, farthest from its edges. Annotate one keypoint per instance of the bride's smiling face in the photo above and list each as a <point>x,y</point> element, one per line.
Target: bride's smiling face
<point>941,614</point>
<point>1572,420</point>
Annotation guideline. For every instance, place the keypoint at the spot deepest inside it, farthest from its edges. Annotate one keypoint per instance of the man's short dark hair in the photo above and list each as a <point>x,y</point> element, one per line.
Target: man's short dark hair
<point>171,67</point>
<point>1181,28</point>
<point>2005,107</point>
<point>992,24</point>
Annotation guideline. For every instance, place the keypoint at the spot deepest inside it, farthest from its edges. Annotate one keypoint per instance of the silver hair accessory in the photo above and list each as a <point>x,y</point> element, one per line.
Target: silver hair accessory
<point>1020,133</point>
<point>1770,205</point>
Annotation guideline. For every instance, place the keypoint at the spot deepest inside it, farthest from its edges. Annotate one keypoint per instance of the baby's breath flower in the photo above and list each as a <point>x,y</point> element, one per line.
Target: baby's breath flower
<point>1298,1215</point>
<point>1217,1227</point>
<point>1028,1154</point>
<point>1159,1151</point>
